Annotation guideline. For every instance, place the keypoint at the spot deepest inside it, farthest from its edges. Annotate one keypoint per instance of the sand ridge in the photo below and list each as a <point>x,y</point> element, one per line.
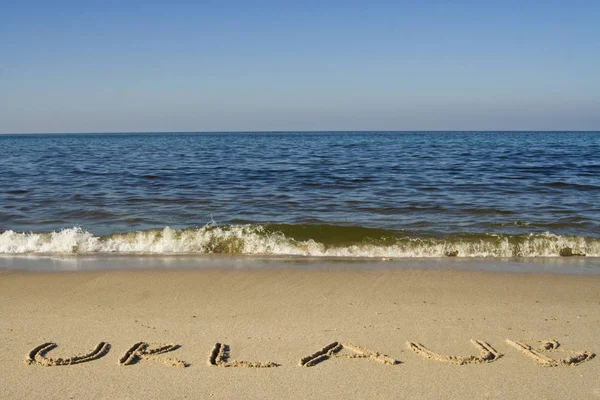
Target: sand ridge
<point>144,351</point>
<point>550,346</point>
<point>487,354</point>
<point>334,350</point>
<point>219,356</point>
<point>37,356</point>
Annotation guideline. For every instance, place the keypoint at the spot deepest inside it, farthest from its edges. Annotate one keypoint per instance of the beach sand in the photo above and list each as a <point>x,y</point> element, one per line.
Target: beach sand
<point>399,334</point>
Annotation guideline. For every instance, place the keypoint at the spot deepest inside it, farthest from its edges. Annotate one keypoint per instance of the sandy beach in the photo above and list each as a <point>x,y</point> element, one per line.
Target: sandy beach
<point>382,334</point>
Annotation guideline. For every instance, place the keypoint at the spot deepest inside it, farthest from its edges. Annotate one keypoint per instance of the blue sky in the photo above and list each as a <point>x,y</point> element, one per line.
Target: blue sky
<point>88,66</point>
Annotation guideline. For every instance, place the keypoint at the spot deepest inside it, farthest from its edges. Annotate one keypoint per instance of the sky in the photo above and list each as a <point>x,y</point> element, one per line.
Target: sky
<point>77,66</point>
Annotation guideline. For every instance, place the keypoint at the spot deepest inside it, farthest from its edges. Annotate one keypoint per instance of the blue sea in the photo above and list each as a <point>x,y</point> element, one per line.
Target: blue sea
<point>315,194</point>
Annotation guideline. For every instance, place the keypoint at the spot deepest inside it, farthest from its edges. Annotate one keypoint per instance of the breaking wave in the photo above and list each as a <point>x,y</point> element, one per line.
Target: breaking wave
<point>299,240</point>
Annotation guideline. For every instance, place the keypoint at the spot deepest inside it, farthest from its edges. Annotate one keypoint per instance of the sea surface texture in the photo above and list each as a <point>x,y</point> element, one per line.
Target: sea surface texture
<point>350,194</point>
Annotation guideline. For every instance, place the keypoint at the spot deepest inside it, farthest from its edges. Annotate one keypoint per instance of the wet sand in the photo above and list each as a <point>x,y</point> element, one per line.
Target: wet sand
<point>292,333</point>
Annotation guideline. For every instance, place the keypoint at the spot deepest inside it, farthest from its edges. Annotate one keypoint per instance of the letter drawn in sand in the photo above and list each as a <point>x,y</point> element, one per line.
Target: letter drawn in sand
<point>576,357</point>
<point>335,350</point>
<point>487,354</point>
<point>219,357</point>
<point>37,356</point>
<point>143,351</point>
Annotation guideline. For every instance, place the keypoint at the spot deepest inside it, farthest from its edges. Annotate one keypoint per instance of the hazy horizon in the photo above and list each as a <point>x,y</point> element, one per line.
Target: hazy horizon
<point>291,132</point>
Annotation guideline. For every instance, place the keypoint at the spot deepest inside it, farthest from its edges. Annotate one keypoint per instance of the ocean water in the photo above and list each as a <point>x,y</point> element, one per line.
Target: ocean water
<point>338,194</point>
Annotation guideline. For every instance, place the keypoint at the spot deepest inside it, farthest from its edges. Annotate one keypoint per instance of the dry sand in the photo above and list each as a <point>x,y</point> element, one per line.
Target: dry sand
<point>298,334</point>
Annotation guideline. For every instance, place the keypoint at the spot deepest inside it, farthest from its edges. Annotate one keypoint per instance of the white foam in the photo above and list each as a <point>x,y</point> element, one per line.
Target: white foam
<point>254,240</point>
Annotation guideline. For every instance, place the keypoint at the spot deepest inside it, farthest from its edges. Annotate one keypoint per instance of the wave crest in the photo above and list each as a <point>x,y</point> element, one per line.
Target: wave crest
<point>300,240</point>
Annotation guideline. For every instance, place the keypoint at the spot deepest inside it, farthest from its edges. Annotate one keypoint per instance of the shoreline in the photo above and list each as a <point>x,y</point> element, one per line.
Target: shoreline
<point>285,315</point>
<point>171,262</point>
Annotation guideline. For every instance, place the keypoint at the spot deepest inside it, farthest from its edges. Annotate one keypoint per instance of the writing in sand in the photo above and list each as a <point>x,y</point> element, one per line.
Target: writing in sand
<point>547,353</point>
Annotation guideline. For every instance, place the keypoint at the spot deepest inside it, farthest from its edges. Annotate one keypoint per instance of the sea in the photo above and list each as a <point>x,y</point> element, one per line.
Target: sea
<point>303,195</point>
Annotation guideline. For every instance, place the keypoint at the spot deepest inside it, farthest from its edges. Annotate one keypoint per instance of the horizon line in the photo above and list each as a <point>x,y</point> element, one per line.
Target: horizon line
<point>305,131</point>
